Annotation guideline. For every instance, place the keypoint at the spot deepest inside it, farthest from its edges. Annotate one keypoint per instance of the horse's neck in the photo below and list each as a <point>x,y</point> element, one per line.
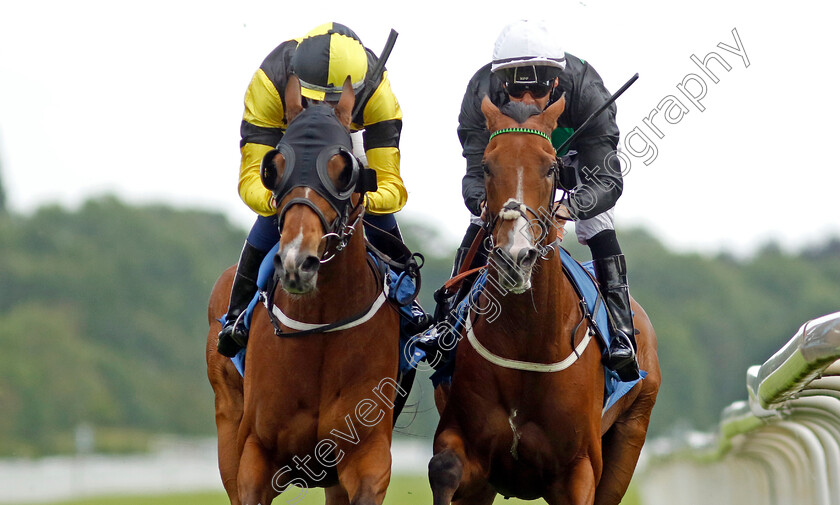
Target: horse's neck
<point>549,305</point>
<point>348,272</point>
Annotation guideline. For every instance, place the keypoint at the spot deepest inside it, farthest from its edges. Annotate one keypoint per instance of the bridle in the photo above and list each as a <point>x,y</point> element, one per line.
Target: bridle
<point>514,209</point>
<point>308,145</point>
<point>339,232</point>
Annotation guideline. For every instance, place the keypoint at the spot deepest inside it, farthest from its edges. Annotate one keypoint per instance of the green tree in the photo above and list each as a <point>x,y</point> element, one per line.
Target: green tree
<point>3,204</point>
<point>103,320</point>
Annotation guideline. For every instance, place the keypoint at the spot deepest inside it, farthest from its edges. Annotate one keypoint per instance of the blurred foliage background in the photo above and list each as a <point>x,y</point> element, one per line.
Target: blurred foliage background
<point>103,321</point>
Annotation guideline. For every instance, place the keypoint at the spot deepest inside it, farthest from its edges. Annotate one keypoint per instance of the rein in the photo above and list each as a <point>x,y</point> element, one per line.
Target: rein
<point>346,232</point>
<point>338,229</point>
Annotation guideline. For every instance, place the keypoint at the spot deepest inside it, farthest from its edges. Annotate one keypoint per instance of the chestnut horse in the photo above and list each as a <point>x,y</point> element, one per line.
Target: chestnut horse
<point>315,408</point>
<point>523,415</point>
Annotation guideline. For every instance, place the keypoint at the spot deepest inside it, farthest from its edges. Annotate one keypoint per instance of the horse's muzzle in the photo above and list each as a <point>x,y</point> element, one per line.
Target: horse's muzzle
<point>296,273</point>
<point>514,273</point>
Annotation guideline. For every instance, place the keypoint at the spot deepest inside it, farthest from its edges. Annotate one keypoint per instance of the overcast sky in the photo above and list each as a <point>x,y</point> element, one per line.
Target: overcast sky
<point>144,100</point>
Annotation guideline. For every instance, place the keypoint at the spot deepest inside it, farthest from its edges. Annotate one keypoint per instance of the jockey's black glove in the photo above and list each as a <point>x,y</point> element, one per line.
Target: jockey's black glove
<point>566,178</point>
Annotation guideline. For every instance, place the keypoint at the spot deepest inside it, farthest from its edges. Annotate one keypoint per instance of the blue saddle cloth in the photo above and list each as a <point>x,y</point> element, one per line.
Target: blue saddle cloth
<point>401,288</point>
<point>583,278</point>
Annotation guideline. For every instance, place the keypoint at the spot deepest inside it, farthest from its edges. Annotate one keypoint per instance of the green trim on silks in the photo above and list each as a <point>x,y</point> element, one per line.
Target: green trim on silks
<point>560,135</point>
<point>520,130</point>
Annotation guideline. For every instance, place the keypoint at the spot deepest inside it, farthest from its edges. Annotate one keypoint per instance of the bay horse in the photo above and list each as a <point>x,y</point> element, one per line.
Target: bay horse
<point>315,408</point>
<point>523,414</point>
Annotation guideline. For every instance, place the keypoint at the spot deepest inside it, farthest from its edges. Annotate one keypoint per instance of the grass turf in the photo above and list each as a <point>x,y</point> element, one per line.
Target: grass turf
<point>404,490</point>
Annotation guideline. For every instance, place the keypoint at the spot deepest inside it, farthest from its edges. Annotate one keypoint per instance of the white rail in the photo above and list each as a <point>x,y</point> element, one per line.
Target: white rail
<point>781,447</point>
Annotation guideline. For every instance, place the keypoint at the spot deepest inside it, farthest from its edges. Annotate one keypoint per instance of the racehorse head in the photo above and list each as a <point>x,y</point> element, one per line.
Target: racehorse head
<point>317,185</point>
<point>520,168</point>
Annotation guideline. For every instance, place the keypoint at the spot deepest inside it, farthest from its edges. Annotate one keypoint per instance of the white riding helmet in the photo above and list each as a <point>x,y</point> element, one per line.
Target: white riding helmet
<point>525,43</point>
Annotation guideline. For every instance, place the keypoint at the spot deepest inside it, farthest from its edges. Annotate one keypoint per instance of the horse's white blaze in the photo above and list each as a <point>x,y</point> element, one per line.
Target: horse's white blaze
<point>519,236</point>
<point>290,252</point>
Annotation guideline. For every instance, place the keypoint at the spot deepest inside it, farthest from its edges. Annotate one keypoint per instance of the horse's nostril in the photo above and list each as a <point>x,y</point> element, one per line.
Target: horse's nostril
<point>502,257</point>
<point>527,257</point>
<point>310,264</point>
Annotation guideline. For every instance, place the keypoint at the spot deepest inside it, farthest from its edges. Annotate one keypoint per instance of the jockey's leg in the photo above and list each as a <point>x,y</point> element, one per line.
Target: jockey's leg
<point>446,303</point>
<point>381,230</point>
<point>263,236</point>
<point>611,271</point>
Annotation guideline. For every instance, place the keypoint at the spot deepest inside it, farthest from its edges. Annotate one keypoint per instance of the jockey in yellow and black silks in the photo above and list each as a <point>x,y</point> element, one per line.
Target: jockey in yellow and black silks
<point>322,60</point>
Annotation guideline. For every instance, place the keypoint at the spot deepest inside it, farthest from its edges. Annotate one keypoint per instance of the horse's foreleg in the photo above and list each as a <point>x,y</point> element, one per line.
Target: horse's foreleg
<point>336,495</point>
<point>484,495</point>
<point>451,472</point>
<point>366,471</point>
<point>228,456</point>
<point>622,445</point>
<point>623,442</point>
<point>445,472</point>
<point>441,395</point>
<point>228,390</point>
<point>578,488</point>
<point>255,476</point>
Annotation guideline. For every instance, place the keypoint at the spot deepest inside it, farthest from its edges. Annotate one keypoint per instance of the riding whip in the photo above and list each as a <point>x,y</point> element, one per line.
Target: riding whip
<point>612,99</point>
<point>380,65</point>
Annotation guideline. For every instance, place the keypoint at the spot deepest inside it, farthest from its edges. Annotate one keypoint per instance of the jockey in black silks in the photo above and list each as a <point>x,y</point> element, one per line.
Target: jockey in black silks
<point>529,66</point>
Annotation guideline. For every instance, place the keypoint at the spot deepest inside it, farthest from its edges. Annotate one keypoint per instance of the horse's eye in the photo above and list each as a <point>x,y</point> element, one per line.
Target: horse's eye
<point>551,170</point>
<point>344,179</point>
<point>485,167</point>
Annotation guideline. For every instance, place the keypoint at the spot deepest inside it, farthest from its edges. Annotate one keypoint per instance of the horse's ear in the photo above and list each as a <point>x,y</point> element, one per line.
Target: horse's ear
<point>553,112</point>
<point>344,109</point>
<point>491,112</point>
<point>294,104</point>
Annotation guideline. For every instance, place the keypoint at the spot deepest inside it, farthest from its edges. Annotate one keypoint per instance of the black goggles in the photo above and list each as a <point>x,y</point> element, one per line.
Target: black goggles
<point>537,89</point>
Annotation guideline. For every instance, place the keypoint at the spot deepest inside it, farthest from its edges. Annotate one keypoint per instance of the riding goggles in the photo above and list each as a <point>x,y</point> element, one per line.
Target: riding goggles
<point>521,80</point>
<point>537,89</point>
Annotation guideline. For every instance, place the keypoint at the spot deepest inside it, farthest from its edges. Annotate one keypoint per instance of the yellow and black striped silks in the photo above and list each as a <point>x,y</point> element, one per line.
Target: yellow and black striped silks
<point>263,124</point>
<point>325,57</point>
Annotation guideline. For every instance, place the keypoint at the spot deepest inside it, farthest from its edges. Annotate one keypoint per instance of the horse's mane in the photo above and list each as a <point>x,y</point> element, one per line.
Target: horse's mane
<point>519,112</point>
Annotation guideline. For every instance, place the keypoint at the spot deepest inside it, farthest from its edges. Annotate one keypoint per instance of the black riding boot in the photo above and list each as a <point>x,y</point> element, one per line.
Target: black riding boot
<point>234,334</point>
<point>621,356</point>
